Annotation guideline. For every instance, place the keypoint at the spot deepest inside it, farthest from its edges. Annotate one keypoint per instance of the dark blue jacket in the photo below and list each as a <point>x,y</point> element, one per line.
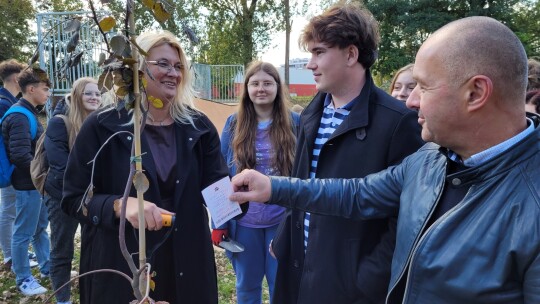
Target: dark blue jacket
<point>57,148</point>
<point>347,261</point>
<point>20,145</point>
<point>6,101</point>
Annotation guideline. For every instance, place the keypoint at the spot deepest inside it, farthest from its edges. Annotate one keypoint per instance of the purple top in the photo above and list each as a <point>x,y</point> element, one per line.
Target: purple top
<point>162,142</point>
<point>263,215</point>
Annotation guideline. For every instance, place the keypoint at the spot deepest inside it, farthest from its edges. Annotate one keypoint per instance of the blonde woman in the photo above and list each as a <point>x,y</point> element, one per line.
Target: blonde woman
<point>181,156</point>
<point>83,99</point>
<point>403,83</point>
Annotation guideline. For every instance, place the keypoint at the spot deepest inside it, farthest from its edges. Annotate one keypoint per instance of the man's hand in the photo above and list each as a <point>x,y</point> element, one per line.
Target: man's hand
<point>218,235</point>
<point>250,185</point>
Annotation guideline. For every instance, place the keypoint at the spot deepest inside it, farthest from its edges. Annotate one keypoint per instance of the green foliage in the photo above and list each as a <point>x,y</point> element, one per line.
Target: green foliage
<point>15,29</point>
<point>241,28</point>
<point>526,25</point>
<point>405,24</point>
<point>185,13</point>
<point>59,5</point>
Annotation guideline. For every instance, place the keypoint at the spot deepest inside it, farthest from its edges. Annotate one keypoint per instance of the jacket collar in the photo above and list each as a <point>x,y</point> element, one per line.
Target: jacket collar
<point>357,118</point>
<point>4,92</point>
<point>25,103</point>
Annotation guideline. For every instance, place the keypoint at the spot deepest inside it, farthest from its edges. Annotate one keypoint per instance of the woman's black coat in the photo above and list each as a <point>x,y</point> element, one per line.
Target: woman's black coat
<point>192,275</point>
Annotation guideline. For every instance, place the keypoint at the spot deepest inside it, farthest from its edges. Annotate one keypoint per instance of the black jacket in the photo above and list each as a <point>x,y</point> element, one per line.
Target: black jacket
<point>191,275</point>
<point>347,261</point>
<point>486,249</point>
<point>57,150</point>
<point>20,146</point>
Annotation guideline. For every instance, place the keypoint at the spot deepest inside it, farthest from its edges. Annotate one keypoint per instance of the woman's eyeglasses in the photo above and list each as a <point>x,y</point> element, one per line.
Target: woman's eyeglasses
<point>265,84</point>
<point>92,94</point>
<point>166,66</point>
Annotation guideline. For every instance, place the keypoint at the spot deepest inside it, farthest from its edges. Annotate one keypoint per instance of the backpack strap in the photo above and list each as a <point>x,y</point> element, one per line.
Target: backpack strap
<point>29,114</point>
<point>71,139</point>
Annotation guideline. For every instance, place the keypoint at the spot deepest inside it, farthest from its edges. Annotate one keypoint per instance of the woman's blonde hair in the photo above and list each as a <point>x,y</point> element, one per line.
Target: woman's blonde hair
<point>182,107</point>
<point>408,67</point>
<point>75,110</point>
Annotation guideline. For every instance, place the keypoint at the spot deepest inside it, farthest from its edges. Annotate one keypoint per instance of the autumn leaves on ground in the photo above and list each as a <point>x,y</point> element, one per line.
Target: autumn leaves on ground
<point>10,295</point>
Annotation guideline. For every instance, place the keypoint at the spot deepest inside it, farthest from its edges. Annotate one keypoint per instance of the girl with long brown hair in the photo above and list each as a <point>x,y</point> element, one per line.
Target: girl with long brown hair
<point>260,136</point>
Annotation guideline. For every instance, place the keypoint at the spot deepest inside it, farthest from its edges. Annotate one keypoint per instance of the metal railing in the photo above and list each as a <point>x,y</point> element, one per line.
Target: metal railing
<point>53,40</point>
<point>222,83</point>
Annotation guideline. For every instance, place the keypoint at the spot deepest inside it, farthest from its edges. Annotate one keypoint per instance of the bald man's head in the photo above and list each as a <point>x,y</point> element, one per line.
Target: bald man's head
<point>483,46</point>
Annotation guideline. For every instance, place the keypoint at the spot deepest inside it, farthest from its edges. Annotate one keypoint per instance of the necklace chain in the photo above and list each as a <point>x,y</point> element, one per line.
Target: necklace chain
<point>161,122</point>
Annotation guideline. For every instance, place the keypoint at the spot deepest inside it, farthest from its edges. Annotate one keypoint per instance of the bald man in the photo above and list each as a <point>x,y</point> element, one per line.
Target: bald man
<point>468,204</point>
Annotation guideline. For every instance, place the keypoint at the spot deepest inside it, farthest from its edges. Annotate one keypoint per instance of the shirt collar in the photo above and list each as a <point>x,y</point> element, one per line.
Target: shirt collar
<point>486,155</point>
<point>348,106</point>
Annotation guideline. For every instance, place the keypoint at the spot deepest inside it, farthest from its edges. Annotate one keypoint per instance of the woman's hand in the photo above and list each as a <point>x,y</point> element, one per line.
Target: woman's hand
<point>152,214</point>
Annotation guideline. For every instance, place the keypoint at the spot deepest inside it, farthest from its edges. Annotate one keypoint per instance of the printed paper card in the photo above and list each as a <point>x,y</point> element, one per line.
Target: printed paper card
<point>217,200</point>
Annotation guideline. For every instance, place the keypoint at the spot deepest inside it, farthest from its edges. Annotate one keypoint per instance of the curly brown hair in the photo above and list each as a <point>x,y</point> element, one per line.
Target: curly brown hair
<point>342,25</point>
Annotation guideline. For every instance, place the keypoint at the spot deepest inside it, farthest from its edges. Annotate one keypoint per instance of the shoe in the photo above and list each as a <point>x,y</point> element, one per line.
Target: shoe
<point>33,263</point>
<point>44,275</point>
<point>30,287</point>
<point>6,266</point>
<point>32,256</point>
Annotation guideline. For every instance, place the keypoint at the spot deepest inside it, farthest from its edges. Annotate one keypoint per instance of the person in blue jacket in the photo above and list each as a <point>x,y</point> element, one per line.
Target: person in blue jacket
<point>468,202</point>
<point>9,70</point>
<point>30,214</point>
<point>260,136</point>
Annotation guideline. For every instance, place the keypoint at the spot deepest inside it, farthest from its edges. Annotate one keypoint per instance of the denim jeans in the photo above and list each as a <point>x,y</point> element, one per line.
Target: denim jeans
<point>7,216</point>
<point>30,225</point>
<point>63,228</point>
<point>254,263</point>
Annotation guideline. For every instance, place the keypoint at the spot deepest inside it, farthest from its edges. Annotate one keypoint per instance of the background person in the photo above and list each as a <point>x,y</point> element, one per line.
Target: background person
<point>403,83</point>
<point>181,156</point>
<point>83,99</point>
<point>533,75</point>
<point>532,101</point>
<point>260,136</point>
<point>351,128</point>
<point>467,202</point>
<point>30,214</point>
<point>9,70</point>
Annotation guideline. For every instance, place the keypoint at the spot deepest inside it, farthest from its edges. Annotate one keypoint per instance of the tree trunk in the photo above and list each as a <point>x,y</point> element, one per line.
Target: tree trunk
<point>288,25</point>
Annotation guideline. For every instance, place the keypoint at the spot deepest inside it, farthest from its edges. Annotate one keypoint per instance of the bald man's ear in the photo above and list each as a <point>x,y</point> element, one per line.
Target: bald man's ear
<point>479,90</point>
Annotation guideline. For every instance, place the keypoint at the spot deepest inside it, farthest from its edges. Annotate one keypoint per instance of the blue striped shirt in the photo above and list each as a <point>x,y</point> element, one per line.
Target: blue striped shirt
<point>330,120</point>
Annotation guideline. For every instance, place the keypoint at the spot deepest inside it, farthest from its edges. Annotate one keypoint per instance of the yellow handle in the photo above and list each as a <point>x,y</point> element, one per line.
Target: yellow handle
<point>168,220</point>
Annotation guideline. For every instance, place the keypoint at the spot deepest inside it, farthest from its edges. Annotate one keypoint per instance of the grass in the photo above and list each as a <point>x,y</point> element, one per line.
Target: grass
<point>9,293</point>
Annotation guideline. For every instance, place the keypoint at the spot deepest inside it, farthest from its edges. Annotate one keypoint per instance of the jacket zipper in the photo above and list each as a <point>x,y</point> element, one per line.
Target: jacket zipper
<point>416,241</point>
<point>442,218</point>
